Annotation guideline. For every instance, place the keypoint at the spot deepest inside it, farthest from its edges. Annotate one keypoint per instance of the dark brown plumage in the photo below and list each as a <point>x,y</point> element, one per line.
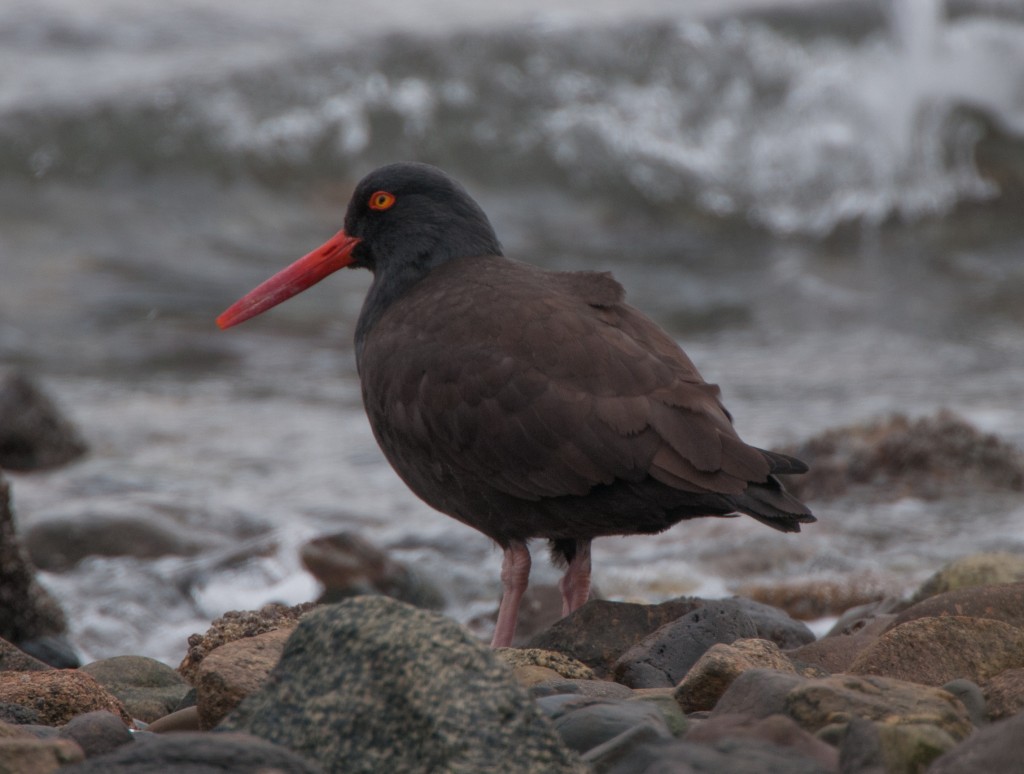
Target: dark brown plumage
<point>528,403</point>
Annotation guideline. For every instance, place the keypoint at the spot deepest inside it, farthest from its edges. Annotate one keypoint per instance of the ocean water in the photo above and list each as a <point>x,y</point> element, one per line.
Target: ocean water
<point>820,200</point>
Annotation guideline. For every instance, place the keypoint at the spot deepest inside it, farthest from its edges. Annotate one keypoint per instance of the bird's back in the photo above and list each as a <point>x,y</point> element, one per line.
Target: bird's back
<point>530,403</point>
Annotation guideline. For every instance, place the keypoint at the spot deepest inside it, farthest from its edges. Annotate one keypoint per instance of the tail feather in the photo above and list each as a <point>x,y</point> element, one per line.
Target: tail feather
<point>771,504</point>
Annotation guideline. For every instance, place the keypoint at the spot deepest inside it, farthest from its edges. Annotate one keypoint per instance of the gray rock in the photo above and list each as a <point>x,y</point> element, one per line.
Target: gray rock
<point>372,684</point>
<point>995,748</point>
<point>774,624</point>
<point>585,722</point>
<point>758,693</point>
<point>33,433</point>
<point>96,732</point>
<point>971,696</point>
<point>664,657</point>
<point>196,753</point>
<point>148,688</point>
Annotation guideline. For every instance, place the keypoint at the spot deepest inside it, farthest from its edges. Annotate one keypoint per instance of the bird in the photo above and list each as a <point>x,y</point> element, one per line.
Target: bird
<point>524,402</point>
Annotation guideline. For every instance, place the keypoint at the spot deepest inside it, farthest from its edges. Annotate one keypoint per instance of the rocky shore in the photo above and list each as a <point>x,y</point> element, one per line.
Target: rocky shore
<point>371,678</point>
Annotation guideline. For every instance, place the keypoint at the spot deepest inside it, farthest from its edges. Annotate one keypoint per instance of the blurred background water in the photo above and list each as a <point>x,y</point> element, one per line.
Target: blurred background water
<point>821,200</point>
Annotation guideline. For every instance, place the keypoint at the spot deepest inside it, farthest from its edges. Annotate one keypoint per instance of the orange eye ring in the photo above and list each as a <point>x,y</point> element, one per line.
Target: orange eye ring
<point>382,200</point>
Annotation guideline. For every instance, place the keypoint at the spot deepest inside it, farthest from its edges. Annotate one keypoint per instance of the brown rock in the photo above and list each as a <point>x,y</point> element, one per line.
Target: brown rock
<point>58,695</point>
<point>992,750</point>
<point>810,599</point>
<point>1001,602</point>
<point>236,625</point>
<point>185,719</point>
<point>776,729</point>
<point>975,570</point>
<point>1004,694</point>
<point>930,457</point>
<point>37,756</point>
<point>833,654</point>
<point>148,688</point>
<point>935,651</point>
<point>715,671</point>
<point>528,675</point>
<point>600,631</point>
<point>233,671</point>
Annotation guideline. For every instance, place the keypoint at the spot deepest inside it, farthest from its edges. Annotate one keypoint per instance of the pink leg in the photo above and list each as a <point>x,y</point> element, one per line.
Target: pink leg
<point>575,584</point>
<point>515,575</point>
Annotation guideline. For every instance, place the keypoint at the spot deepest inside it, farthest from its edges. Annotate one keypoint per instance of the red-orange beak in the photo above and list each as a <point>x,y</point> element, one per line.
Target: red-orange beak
<point>334,254</point>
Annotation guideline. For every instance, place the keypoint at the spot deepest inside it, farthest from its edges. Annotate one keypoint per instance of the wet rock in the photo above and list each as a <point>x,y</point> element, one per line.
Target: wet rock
<point>600,631</point>
<point>192,753</point>
<point>97,732</point>
<point>184,719</point>
<point>975,570</point>
<point>58,543</point>
<point>934,651</point>
<point>995,748</point>
<point>372,684</point>
<point>27,611</point>
<point>586,722</point>
<point>928,458</point>
<point>1004,694</point>
<point>234,670</point>
<point>235,625</point>
<point>58,695</point>
<point>348,565</point>
<point>52,649</point>
<point>148,688</point>
<point>665,656</point>
<point>716,669</point>
<point>774,729</point>
<point>14,659</point>
<point>33,433</point>
<point>1000,602</point>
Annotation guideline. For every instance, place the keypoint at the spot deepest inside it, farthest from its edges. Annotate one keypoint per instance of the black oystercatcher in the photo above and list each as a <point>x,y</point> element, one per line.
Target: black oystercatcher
<point>523,402</point>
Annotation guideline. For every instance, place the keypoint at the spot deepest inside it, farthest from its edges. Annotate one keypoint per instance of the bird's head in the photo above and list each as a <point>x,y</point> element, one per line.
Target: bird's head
<point>403,220</point>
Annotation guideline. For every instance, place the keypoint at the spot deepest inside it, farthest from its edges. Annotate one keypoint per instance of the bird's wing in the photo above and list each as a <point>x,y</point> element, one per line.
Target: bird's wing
<point>544,384</point>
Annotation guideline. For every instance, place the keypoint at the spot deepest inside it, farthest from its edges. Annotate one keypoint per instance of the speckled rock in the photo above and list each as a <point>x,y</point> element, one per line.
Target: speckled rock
<point>233,671</point>
<point>1001,602</point>
<point>934,651</point>
<point>1004,694</point>
<point>772,623</point>
<point>235,625</point>
<point>722,663</point>
<point>561,664</point>
<point>975,570</point>
<point>97,732</point>
<point>58,695</point>
<point>372,684</point>
<point>664,657</point>
<point>149,689</point>
<point>202,753</point>
<point>991,750</point>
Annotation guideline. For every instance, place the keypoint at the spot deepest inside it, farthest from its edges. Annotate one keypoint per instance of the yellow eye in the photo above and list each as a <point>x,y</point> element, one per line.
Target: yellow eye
<point>381,200</point>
